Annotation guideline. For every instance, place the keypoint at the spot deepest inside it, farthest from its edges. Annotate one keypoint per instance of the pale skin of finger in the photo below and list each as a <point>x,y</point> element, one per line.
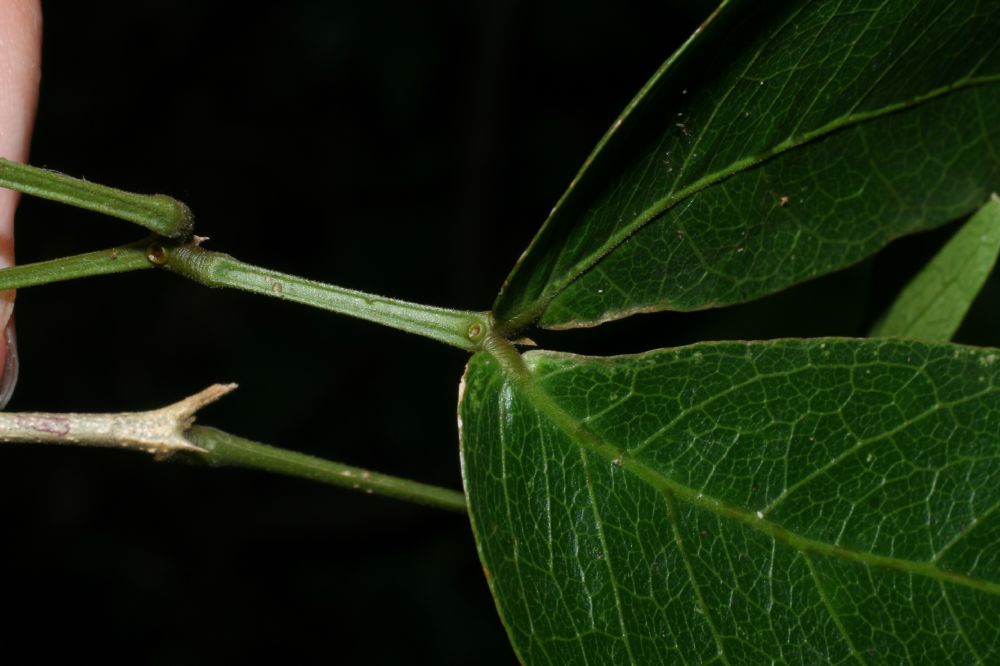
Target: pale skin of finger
<point>20,72</point>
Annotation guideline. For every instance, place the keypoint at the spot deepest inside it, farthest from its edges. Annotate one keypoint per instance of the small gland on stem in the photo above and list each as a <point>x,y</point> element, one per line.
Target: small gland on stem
<point>161,432</point>
<point>156,254</point>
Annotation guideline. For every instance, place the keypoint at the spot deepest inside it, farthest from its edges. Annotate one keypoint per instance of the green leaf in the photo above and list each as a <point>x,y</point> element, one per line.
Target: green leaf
<point>783,141</point>
<point>821,501</point>
<point>933,305</point>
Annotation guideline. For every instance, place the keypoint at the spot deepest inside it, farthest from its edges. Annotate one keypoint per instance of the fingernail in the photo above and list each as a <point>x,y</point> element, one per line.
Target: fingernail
<point>9,379</point>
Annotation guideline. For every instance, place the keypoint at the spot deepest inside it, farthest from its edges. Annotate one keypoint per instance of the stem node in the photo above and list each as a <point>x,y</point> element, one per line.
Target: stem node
<point>160,432</point>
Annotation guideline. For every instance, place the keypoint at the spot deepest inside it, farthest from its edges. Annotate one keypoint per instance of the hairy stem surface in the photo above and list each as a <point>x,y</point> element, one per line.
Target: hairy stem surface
<point>222,449</point>
<point>157,212</point>
<point>121,259</point>
<point>459,328</point>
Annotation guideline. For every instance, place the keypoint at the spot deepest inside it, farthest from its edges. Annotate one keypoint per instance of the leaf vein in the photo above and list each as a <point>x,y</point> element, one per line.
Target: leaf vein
<point>599,524</point>
<point>663,205</point>
<point>834,615</point>
<point>585,438</point>
<point>668,498</point>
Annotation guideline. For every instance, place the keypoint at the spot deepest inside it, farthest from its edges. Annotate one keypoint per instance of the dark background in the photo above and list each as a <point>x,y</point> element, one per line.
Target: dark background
<point>404,148</point>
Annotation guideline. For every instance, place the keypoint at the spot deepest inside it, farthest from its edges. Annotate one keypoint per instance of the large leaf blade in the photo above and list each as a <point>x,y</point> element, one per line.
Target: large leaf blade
<point>829,501</point>
<point>779,144</point>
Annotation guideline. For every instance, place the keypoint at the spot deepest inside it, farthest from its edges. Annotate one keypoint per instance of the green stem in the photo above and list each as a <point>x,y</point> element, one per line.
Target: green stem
<point>459,328</point>
<point>157,212</point>
<point>167,432</point>
<point>119,259</point>
<point>463,329</point>
<point>224,449</point>
<point>510,360</point>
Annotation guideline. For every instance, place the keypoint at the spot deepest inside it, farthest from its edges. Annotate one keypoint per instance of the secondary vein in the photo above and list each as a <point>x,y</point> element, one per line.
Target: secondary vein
<point>522,378</point>
<point>666,203</point>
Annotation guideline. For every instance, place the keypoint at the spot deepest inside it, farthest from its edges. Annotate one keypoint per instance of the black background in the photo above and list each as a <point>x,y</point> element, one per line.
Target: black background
<point>408,149</point>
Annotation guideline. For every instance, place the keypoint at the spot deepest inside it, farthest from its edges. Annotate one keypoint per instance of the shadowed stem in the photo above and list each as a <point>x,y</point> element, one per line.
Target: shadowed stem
<point>168,431</point>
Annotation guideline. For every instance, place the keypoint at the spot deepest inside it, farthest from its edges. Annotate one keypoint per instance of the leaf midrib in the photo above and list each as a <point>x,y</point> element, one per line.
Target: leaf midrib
<point>523,378</point>
<point>663,205</point>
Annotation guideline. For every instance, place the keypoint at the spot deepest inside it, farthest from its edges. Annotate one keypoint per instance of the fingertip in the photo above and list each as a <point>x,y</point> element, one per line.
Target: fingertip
<point>11,365</point>
<point>20,74</point>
